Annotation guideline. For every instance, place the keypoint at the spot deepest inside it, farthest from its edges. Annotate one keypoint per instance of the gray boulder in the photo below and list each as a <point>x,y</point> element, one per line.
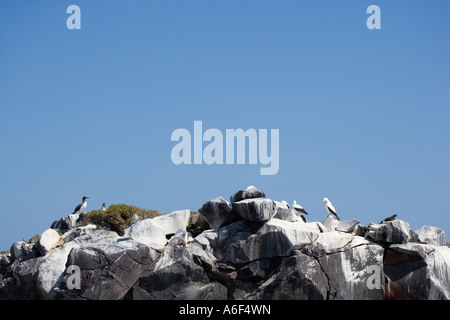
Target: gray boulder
<point>5,262</point>
<point>353,265</point>
<point>299,278</point>
<point>171,222</point>
<point>19,281</point>
<point>331,222</point>
<point>199,223</point>
<point>78,232</point>
<point>396,231</point>
<point>255,209</point>
<point>96,236</point>
<point>148,232</point>
<point>218,212</point>
<point>23,273</point>
<point>247,193</point>
<point>108,271</point>
<point>245,241</point>
<point>432,235</point>
<point>52,270</point>
<point>23,251</point>
<point>417,272</point>
<point>68,222</point>
<point>177,274</point>
<point>283,212</point>
<point>348,226</point>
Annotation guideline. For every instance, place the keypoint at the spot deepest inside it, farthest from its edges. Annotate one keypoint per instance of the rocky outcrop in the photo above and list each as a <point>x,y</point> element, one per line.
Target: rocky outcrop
<point>432,235</point>
<point>68,222</point>
<point>258,209</point>
<point>252,248</point>
<point>417,271</point>
<point>218,212</point>
<point>108,271</point>
<point>250,192</point>
<point>397,231</point>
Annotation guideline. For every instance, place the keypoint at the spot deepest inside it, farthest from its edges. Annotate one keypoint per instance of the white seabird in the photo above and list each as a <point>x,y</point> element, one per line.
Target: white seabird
<point>103,207</point>
<point>298,207</point>
<point>286,204</point>
<point>330,208</point>
<point>79,208</point>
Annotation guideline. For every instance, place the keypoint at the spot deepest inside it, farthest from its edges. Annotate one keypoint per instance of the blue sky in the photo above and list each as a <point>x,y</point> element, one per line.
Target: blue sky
<point>362,114</point>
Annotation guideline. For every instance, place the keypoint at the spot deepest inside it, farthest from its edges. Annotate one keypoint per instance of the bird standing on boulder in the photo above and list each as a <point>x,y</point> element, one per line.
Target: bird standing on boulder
<point>391,218</point>
<point>79,208</point>
<point>103,207</point>
<point>298,207</point>
<point>330,208</point>
<point>286,204</point>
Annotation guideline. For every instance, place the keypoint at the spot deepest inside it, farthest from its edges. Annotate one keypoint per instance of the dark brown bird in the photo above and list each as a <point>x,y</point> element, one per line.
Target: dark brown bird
<point>391,218</point>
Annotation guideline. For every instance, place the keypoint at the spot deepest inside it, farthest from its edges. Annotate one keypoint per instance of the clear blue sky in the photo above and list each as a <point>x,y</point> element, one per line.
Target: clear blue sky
<point>363,114</point>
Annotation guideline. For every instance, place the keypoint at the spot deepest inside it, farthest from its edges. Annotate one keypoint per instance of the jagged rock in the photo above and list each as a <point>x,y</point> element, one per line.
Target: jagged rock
<point>108,271</point>
<point>347,225</point>
<point>5,262</point>
<point>352,264</point>
<point>218,212</point>
<point>360,230</point>
<point>255,209</point>
<point>244,241</point>
<point>22,250</point>
<point>331,222</point>
<point>181,237</point>
<point>333,241</point>
<point>396,231</point>
<point>78,232</point>
<point>177,274</point>
<point>417,272</point>
<point>97,236</point>
<point>171,222</point>
<point>52,269</point>
<point>199,223</point>
<point>23,274</point>
<point>68,222</point>
<point>47,241</point>
<point>153,231</point>
<point>432,235</point>
<point>148,232</point>
<point>300,278</point>
<point>19,283</point>
<point>247,193</point>
<point>283,212</point>
<point>49,273</point>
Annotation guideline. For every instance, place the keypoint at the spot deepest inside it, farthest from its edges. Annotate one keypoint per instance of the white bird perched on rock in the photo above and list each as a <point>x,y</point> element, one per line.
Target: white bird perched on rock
<point>330,208</point>
<point>79,208</point>
<point>286,204</point>
<point>298,207</point>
